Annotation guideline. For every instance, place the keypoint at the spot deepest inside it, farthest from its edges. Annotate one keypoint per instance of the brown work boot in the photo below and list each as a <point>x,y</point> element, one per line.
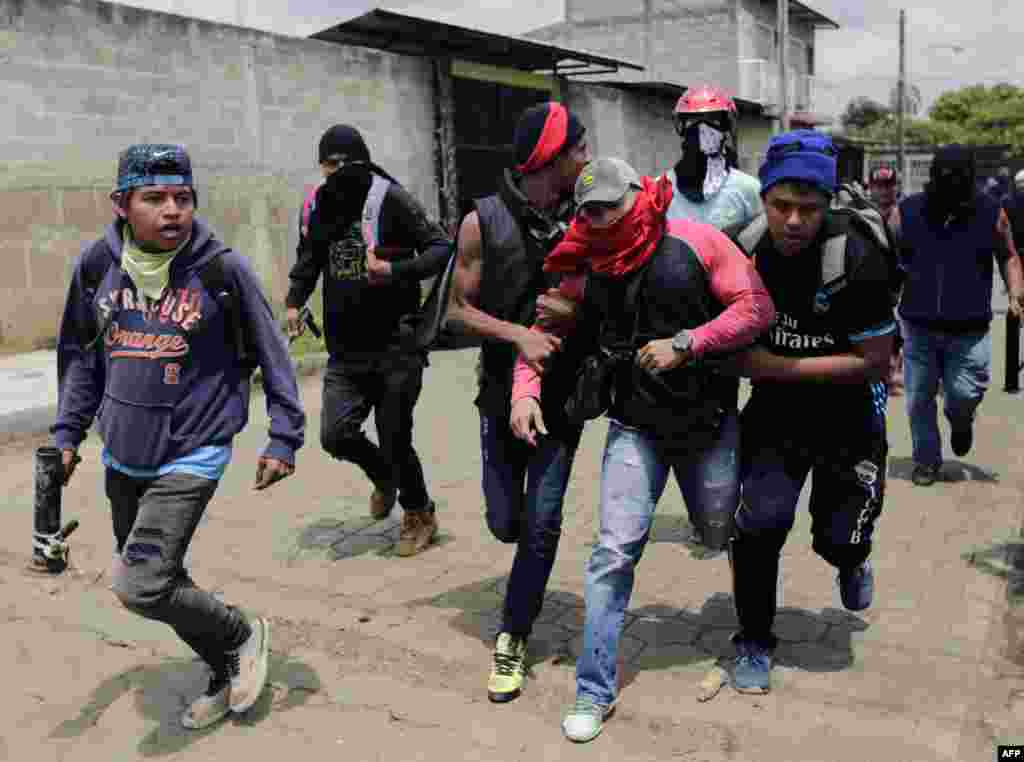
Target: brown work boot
<point>381,502</point>
<point>418,529</point>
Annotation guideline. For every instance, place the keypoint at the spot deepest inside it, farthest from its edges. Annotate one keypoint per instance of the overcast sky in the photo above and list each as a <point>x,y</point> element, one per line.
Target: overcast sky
<point>950,43</point>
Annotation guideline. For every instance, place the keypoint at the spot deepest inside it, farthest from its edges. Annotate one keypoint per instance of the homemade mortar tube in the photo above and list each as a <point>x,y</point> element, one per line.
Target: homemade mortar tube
<point>49,481</point>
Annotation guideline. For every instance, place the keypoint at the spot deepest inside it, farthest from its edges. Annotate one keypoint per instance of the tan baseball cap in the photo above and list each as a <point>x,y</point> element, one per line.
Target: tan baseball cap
<point>605,180</point>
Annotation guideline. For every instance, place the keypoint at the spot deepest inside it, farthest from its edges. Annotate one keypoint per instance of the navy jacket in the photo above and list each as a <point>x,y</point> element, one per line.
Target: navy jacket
<point>167,380</point>
<point>949,266</point>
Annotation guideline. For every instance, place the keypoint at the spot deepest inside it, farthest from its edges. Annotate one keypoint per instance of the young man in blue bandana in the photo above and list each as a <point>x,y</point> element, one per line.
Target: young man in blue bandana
<point>163,326</point>
<point>827,355</point>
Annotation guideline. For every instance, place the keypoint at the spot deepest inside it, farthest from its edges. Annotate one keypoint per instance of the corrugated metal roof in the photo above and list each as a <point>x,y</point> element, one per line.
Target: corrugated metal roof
<point>805,12</point>
<point>411,35</point>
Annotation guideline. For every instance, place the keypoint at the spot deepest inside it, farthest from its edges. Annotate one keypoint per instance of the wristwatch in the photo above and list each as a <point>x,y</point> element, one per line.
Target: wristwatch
<point>682,341</point>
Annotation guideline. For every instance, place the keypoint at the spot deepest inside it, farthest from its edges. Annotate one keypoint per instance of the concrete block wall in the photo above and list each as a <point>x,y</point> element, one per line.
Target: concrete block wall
<point>632,127</point>
<point>802,34</point>
<point>81,79</point>
<point>753,135</point>
<point>639,129</point>
<point>697,43</point>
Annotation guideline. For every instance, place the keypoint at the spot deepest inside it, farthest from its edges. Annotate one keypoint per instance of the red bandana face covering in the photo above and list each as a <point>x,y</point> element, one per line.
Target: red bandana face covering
<point>624,246</point>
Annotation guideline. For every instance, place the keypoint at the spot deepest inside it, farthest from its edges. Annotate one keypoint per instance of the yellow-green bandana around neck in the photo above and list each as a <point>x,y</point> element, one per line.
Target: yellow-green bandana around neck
<point>150,272</point>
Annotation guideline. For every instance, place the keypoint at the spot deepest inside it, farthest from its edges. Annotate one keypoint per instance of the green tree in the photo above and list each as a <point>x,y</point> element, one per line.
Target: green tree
<point>863,112</point>
<point>984,115</point>
<point>916,132</point>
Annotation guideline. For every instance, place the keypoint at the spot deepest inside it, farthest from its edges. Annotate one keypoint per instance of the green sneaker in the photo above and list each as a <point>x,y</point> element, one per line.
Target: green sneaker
<point>585,720</point>
<point>508,669</point>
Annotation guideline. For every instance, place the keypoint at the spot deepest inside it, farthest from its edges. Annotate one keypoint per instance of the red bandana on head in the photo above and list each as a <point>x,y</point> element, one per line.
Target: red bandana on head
<point>621,248</point>
<point>552,139</point>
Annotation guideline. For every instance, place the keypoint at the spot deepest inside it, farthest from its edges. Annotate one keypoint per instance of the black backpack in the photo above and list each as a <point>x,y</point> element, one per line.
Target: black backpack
<point>855,212</point>
<point>426,329</point>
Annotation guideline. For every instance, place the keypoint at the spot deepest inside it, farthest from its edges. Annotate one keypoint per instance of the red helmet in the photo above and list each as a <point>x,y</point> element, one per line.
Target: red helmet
<point>705,99</point>
<point>711,101</point>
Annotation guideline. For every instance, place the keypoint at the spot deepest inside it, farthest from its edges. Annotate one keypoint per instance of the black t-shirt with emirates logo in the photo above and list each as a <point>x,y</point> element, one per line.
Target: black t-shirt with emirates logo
<point>859,311</point>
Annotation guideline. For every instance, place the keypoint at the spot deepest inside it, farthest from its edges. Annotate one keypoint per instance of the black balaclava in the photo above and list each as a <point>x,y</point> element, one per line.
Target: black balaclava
<point>692,167</point>
<point>341,198</point>
<point>950,192</point>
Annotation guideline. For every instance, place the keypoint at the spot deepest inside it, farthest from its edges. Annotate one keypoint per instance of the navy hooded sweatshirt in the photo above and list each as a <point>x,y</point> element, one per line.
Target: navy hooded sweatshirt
<point>166,380</point>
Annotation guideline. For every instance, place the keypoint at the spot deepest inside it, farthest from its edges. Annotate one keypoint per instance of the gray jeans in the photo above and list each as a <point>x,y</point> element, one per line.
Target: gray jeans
<point>154,520</point>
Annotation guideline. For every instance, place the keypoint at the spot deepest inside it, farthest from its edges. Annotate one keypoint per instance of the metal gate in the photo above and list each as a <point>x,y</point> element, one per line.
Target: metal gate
<point>485,120</point>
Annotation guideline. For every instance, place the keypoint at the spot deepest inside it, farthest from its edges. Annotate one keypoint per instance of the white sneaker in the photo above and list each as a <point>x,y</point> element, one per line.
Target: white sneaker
<point>585,721</point>
<point>248,666</point>
<point>211,707</point>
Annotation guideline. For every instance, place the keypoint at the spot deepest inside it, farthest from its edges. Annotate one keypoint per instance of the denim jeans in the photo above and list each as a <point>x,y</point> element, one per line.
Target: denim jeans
<point>389,384</point>
<point>154,521</point>
<point>532,518</point>
<point>633,477</point>
<point>961,361</point>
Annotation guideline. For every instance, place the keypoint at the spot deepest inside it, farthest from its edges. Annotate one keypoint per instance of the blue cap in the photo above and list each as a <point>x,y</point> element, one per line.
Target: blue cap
<point>153,164</point>
<point>805,155</point>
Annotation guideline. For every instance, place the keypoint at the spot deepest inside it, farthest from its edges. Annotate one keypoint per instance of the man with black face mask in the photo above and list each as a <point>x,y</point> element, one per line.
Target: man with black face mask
<point>949,238</point>
<point>373,242</point>
<point>709,187</point>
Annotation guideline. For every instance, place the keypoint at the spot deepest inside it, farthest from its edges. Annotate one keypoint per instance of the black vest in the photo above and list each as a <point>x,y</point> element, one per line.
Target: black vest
<point>682,407</point>
<point>515,241</point>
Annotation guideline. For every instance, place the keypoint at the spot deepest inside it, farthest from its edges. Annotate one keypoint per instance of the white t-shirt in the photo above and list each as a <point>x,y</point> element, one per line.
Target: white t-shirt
<point>737,203</point>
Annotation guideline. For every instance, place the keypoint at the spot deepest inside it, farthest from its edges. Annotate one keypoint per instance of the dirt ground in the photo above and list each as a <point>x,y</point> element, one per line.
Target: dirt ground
<point>375,657</point>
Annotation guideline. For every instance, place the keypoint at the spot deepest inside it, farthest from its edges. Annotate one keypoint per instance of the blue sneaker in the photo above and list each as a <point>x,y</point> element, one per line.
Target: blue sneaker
<point>752,670</point>
<point>857,586</point>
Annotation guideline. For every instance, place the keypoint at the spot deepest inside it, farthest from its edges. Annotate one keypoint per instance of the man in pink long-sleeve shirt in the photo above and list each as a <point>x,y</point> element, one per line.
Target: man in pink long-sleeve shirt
<point>661,300</point>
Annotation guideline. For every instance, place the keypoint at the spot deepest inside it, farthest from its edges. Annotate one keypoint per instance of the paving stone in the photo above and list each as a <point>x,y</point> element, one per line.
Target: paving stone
<point>389,527</point>
<point>574,618</point>
<point>551,612</point>
<point>717,642</point>
<point>324,533</point>
<point>564,598</point>
<point>719,613</point>
<point>798,626</point>
<point>358,544</point>
<point>548,641</point>
<point>672,657</point>
<point>658,632</point>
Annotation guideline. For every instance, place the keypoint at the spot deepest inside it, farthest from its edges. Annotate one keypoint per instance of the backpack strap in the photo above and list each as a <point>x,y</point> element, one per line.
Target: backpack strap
<point>833,272</point>
<point>95,264</point>
<point>308,205</point>
<point>750,236</point>
<point>371,210</point>
<point>221,287</point>
<point>865,213</point>
<point>833,261</point>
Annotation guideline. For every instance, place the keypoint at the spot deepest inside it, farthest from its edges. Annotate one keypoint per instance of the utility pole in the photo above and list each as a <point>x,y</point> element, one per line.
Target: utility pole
<point>901,94</point>
<point>783,35</point>
<point>648,43</point>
